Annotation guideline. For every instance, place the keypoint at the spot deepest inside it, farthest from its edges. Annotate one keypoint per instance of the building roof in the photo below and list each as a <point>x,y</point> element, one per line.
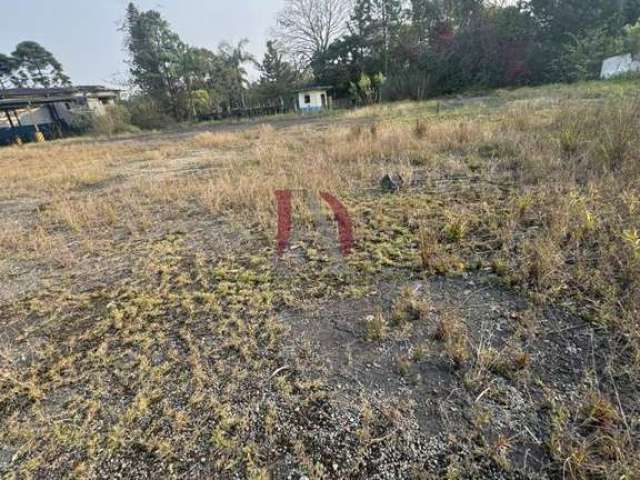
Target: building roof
<point>310,88</point>
<point>49,92</point>
<point>13,98</point>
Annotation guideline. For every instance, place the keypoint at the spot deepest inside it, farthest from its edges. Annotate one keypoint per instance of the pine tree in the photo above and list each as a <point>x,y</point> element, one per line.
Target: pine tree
<point>35,66</point>
<point>156,58</point>
<point>375,27</point>
<point>277,76</point>
<point>389,16</point>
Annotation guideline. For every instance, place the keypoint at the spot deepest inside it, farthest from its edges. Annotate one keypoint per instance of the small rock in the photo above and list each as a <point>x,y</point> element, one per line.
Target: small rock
<point>390,185</point>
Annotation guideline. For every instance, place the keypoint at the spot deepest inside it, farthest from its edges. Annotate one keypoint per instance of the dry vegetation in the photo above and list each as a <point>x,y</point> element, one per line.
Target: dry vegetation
<point>145,317</point>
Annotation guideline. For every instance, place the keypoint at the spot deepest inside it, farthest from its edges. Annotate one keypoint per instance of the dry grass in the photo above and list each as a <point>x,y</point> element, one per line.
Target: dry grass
<point>215,140</point>
<point>181,357</point>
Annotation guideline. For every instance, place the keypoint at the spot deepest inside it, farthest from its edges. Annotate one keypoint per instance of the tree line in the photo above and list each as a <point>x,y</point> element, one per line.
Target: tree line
<point>368,50</point>
<point>433,47</point>
<point>373,50</point>
<point>182,81</point>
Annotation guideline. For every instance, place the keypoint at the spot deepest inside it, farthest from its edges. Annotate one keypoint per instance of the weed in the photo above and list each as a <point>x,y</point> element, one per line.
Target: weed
<point>452,332</point>
<point>456,226</point>
<point>375,327</point>
<point>421,128</point>
<point>404,366</point>
<point>408,307</point>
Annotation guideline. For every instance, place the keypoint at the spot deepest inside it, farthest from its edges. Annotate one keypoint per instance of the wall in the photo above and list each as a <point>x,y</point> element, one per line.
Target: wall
<point>37,115</point>
<point>316,100</point>
<point>618,65</point>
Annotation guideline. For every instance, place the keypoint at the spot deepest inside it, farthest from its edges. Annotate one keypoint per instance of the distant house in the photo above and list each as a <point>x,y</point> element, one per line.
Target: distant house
<point>51,111</point>
<point>314,99</point>
<point>619,65</point>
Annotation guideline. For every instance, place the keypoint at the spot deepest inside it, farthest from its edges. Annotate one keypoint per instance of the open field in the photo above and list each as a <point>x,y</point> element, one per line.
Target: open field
<point>485,325</point>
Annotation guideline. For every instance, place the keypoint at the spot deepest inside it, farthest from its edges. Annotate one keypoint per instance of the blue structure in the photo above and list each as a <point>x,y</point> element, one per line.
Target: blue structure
<point>50,111</point>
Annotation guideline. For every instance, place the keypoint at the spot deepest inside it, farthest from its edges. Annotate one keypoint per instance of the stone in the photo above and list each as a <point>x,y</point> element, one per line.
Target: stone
<point>390,184</point>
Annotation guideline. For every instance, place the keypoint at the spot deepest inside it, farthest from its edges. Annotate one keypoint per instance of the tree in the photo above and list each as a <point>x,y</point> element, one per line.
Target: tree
<point>307,27</point>
<point>340,65</point>
<point>375,31</point>
<point>389,19</point>
<point>156,58</point>
<point>277,76</point>
<point>583,55</point>
<point>7,66</point>
<point>367,89</point>
<point>561,22</point>
<point>632,38</point>
<point>35,66</point>
<point>426,16</point>
<point>232,72</point>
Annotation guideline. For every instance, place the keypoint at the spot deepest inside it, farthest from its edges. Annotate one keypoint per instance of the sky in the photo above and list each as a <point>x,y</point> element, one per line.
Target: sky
<point>83,34</point>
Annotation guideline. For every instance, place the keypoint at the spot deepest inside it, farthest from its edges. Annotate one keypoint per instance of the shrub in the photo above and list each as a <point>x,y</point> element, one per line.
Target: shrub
<point>583,55</point>
<point>116,119</point>
<point>146,114</point>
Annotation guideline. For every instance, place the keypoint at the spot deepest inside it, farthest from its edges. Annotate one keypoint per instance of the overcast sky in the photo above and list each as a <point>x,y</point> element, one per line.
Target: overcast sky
<point>84,36</point>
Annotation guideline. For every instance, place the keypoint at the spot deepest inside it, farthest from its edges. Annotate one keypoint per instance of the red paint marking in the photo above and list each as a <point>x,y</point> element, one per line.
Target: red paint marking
<point>283,198</point>
<point>345,228</point>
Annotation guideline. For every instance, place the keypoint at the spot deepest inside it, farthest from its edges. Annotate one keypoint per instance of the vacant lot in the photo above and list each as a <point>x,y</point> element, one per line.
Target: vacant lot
<point>485,325</point>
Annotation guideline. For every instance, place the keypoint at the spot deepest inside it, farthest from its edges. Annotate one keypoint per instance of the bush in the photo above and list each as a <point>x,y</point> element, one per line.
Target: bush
<point>116,119</point>
<point>583,55</point>
<point>146,114</point>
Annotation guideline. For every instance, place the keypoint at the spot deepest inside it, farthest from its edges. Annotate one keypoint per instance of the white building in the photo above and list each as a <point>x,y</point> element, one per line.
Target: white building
<point>24,111</point>
<point>619,65</point>
<point>314,99</point>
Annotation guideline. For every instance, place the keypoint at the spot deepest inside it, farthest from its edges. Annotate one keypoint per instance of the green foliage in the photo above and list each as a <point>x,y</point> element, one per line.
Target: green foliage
<point>170,72</point>
<point>583,56</point>
<point>367,89</point>
<point>115,119</point>
<point>278,77</point>
<point>437,47</point>
<point>201,102</point>
<point>31,65</point>
<point>147,114</point>
<point>157,57</point>
<point>632,38</point>
<point>391,50</point>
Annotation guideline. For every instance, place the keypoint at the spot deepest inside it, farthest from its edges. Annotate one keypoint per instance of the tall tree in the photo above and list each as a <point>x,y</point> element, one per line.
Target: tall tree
<point>375,27</point>
<point>156,58</point>
<point>277,76</point>
<point>307,27</point>
<point>180,79</point>
<point>425,16</point>
<point>232,71</point>
<point>35,66</point>
<point>389,19</point>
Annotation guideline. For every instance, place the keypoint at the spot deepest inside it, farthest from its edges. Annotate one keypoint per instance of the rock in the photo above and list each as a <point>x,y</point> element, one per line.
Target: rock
<point>390,184</point>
